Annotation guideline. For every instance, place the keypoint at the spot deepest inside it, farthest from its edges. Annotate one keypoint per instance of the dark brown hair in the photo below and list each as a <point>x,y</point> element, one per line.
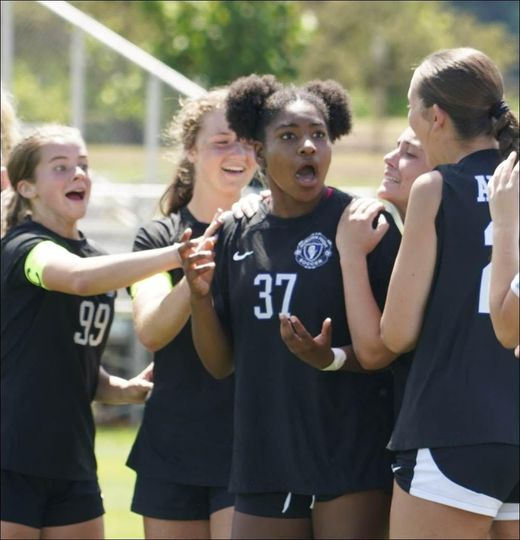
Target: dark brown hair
<point>467,84</point>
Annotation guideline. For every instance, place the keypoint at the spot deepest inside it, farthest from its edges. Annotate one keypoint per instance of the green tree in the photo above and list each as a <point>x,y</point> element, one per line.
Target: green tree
<point>216,41</point>
<point>372,47</point>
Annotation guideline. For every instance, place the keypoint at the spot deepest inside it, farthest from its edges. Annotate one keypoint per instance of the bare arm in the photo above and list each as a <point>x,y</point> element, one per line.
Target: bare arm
<point>414,267</point>
<point>503,206</point>
<point>160,310</point>
<point>355,239</point>
<point>63,271</point>
<point>211,342</point>
<point>118,391</point>
<point>87,276</point>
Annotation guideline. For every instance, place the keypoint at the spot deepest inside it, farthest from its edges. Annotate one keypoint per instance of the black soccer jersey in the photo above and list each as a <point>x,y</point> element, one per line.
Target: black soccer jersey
<point>186,433</point>
<point>463,385</point>
<point>299,429</point>
<point>50,355</point>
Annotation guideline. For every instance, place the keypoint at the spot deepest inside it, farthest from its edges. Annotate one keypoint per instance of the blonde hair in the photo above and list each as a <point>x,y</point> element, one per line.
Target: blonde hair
<point>182,134</point>
<point>23,160</point>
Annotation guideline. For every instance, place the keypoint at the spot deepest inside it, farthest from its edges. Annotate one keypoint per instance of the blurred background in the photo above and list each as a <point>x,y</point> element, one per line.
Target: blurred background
<point>117,71</point>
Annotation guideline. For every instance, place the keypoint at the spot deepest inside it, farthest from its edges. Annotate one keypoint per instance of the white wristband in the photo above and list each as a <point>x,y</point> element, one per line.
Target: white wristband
<point>340,357</point>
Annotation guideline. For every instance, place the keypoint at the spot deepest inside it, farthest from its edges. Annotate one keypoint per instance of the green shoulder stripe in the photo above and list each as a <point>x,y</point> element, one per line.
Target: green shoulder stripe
<point>37,258</point>
<point>163,279</point>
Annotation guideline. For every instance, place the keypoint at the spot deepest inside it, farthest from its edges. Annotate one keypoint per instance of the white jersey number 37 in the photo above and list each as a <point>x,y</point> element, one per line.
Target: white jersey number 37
<point>265,281</point>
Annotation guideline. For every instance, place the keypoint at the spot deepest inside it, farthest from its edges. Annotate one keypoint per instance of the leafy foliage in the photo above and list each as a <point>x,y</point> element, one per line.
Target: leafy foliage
<point>373,46</point>
<point>216,41</point>
<point>370,47</point>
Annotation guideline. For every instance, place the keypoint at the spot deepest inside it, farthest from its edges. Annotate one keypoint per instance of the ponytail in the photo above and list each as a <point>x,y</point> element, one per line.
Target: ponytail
<point>179,193</point>
<point>505,132</point>
<point>182,133</point>
<point>15,209</point>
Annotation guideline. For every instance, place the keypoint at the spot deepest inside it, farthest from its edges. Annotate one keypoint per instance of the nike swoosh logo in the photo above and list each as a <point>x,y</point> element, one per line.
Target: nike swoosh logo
<point>241,256</point>
<point>34,277</point>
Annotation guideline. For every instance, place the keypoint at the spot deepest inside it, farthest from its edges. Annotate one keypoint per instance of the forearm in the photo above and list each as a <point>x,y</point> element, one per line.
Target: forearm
<point>352,362</point>
<point>363,315</point>
<point>507,321</point>
<point>503,303</point>
<point>210,340</point>
<point>159,319</point>
<point>413,270</point>
<point>95,275</point>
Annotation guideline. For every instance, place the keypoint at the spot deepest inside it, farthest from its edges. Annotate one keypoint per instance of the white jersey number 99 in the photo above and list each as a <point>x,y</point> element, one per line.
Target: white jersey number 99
<point>93,322</point>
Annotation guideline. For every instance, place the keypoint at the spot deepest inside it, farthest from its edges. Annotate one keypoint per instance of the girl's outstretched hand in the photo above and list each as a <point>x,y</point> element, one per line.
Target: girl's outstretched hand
<point>315,351</point>
<point>197,256</point>
<point>198,263</point>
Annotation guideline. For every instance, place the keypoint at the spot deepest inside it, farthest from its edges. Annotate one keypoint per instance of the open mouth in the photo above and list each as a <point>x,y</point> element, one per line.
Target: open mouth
<point>75,195</point>
<point>234,170</point>
<point>391,179</point>
<point>306,174</point>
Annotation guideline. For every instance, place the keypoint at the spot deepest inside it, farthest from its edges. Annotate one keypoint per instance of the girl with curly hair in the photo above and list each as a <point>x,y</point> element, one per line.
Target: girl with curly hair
<point>309,457</point>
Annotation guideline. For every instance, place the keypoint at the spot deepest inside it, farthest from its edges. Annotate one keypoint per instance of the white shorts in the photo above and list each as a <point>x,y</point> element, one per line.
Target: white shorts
<point>482,479</point>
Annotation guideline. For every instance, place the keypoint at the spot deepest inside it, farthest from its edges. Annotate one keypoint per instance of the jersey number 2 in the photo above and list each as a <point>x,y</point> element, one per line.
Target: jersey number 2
<point>93,321</point>
<point>265,281</point>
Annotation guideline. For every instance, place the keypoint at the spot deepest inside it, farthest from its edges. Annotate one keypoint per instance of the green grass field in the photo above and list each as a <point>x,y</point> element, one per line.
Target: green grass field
<point>117,482</point>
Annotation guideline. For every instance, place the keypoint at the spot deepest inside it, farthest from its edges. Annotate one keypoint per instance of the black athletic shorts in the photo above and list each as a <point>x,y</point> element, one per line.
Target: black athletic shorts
<point>48,502</point>
<point>162,499</point>
<point>279,505</point>
<point>482,479</point>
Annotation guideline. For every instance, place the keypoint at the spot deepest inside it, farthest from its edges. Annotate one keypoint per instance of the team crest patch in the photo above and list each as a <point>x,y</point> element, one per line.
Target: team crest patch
<point>313,251</point>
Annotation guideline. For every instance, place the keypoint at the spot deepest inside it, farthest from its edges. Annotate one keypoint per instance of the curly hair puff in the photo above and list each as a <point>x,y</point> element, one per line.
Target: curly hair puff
<point>246,103</point>
<point>338,106</point>
<point>255,100</point>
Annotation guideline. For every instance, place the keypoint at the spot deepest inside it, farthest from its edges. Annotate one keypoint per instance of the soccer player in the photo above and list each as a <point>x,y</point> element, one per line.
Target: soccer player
<point>309,458</point>
<point>456,436</point>
<point>58,290</point>
<point>182,453</point>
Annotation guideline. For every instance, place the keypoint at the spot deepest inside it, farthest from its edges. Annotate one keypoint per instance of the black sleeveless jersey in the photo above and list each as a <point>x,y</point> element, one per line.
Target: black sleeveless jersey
<point>186,432</point>
<point>463,385</point>
<point>297,428</point>
<point>50,356</point>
